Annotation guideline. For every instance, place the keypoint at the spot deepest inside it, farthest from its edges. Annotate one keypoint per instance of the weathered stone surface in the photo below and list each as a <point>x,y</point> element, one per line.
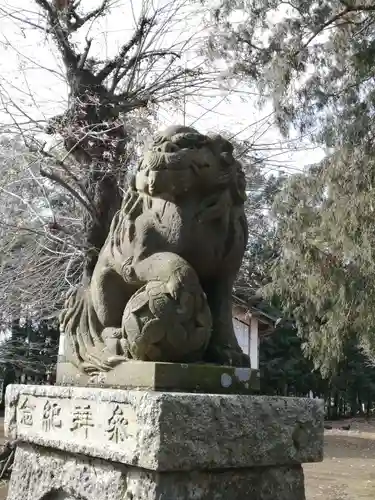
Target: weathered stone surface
<point>203,378</point>
<point>167,431</point>
<point>161,289</point>
<point>41,474</point>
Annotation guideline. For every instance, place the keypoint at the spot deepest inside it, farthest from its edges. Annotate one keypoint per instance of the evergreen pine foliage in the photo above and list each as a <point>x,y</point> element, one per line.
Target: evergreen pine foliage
<point>315,62</point>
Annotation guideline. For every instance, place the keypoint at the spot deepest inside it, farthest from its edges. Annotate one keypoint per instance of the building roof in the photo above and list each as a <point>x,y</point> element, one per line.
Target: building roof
<point>259,308</point>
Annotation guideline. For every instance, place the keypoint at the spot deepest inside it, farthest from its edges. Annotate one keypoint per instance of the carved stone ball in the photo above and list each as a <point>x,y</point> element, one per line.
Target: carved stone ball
<point>160,328</point>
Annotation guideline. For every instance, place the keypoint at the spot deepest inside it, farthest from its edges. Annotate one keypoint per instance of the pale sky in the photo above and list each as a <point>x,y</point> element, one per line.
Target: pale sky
<point>27,60</point>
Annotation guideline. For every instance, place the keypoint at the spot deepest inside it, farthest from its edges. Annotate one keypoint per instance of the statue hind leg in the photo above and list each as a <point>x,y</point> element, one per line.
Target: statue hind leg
<point>223,347</point>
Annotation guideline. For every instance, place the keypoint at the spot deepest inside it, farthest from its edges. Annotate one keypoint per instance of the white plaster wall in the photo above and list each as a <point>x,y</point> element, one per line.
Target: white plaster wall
<point>242,333</point>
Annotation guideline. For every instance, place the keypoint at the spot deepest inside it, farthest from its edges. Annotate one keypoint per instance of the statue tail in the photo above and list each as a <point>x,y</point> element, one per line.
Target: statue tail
<point>81,328</point>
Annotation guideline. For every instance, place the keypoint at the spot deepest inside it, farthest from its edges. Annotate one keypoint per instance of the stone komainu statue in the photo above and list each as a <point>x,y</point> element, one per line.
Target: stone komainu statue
<point>161,289</point>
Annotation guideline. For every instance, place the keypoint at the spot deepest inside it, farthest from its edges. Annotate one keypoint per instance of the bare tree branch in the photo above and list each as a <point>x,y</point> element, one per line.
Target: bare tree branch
<point>53,176</point>
<point>91,16</point>
<point>60,34</point>
<point>119,59</point>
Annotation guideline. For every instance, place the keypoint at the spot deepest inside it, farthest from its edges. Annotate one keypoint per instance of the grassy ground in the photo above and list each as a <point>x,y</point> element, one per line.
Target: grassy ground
<point>348,470</point>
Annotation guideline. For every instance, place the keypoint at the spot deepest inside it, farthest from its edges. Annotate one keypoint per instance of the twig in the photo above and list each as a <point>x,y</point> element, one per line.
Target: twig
<point>53,176</point>
<point>10,458</point>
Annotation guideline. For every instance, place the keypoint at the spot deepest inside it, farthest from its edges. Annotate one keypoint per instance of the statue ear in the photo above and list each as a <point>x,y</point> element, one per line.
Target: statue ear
<point>222,145</point>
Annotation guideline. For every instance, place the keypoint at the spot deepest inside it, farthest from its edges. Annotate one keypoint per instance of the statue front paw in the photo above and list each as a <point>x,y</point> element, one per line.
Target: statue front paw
<point>184,287</point>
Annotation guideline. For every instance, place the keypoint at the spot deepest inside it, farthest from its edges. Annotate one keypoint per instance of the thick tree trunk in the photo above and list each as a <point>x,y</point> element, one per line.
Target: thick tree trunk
<point>105,193</point>
<point>95,136</point>
<point>92,126</point>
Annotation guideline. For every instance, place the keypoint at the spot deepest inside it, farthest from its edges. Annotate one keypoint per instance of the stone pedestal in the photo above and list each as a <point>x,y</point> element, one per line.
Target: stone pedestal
<point>102,444</point>
<point>157,376</point>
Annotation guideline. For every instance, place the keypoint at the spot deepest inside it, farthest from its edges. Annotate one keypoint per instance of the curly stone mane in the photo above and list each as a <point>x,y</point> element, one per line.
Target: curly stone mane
<point>178,152</point>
